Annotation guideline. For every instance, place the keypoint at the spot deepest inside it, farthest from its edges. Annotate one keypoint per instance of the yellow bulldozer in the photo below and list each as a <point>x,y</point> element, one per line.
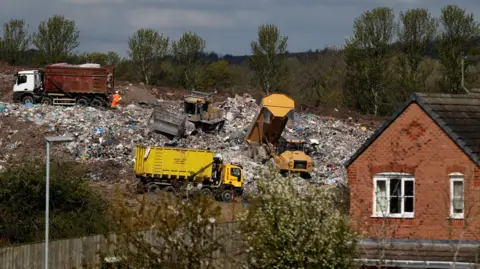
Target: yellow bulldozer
<point>198,110</point>
<point>265,133</point>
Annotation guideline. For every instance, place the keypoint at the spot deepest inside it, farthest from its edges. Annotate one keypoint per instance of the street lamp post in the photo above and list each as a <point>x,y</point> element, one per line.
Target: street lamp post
<point>50,140</point>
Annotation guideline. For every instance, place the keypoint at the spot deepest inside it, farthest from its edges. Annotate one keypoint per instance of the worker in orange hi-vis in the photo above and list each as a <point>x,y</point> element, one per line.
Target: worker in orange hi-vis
<point>116,100</point>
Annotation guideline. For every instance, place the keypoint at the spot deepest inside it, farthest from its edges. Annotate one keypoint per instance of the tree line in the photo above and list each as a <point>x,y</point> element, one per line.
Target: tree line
<point>381,64</point>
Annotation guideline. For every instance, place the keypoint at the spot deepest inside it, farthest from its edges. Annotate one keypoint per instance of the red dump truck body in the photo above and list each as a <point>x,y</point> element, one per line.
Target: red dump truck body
<point>73,79</point>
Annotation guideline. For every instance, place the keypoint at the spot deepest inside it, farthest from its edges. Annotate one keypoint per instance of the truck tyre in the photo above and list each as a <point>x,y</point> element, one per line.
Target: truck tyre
<point>82,101</point>
<point>153,189</point>
<point>97,103</point>
<point>206,192</point>
<point>226,196</point>
<point>47,101</point>
<point>27,99</point>
<point>305,175</point>
<point>170,190</point>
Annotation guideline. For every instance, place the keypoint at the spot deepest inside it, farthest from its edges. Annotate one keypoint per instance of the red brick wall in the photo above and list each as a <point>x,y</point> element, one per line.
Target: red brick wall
<point>428,153</point>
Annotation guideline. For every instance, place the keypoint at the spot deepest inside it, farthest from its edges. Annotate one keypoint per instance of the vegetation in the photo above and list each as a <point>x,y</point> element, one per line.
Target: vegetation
<point>454,43</point>
<point>146,48</point>
<point>187,52</point>
<point>75,209</point>
<point>15,42</point>
<point>181,232</point>
<point>56,39</point>
<point>268,58</point>
<point>289,228</point>
<point>381,64</point>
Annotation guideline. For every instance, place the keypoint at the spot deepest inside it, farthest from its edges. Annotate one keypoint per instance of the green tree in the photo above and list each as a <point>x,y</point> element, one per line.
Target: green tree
<point>75,208</point>
<point>218,75</point>
<point>291,228</point>
<point>182,232</point>
<point>454,42</point>
<point>320,78</point>
<point>268,56</point>
<point>188,51</point>
<point>56,38</point>
<point>110,58</point>
<point>367,56</point>
<point>97,57</point>
<point>147,47</point>
<point>113,58</point>
<point>16,41</point>
<point>417,29</point>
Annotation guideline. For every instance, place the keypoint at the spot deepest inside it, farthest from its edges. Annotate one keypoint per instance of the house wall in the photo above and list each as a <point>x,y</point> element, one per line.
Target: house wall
<point>430,155</point>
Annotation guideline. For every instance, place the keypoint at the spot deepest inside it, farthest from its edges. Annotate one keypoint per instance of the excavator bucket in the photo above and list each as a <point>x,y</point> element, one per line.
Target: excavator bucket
<point>165,121</point>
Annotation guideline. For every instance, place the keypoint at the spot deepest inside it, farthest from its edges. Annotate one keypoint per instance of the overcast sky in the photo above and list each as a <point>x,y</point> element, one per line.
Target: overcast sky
<point>228,26</point>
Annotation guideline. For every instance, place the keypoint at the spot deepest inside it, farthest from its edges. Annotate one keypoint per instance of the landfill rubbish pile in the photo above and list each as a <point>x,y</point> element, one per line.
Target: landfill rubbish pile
<point>106,135</point>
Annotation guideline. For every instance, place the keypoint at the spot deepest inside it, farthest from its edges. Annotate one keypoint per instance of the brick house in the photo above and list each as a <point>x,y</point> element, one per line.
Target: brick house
<point>415,185</point>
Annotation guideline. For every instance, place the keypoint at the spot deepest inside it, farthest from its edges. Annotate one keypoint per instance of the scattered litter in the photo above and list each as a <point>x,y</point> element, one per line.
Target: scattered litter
<point>107,135</point>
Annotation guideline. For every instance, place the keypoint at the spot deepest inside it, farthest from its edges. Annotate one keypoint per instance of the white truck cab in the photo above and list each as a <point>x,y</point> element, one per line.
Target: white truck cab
<point>26,82</point>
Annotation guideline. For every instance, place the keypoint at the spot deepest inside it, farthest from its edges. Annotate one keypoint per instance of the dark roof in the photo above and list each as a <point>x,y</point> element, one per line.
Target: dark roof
<point>458,115</point>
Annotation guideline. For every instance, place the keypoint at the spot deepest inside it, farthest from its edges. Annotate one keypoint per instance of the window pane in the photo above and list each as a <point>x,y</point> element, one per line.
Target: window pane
<point>408,206</point>
<point>457,205</point>
<point>395,187</point>
<point>408,188</point>
<point>395,207</point>
<point>457,189</point>
<point>381,197</point>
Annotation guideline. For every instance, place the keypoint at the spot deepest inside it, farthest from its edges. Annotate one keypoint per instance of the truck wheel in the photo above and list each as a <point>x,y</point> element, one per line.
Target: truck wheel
<point>97,103</point>
<point>153,189</point>
<point>82,101</point>
<point>27,99</point>
<point>206,192</point>
<point>305,175</point>
<point>226,196</point>
<point>170,190</point>
<point>47,101</point>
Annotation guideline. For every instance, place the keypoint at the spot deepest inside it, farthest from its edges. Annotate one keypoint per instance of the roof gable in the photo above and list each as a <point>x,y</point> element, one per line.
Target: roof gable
<point>457,115</point>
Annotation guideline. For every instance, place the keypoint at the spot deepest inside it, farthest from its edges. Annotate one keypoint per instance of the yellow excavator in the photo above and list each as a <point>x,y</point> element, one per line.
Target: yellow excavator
<point>265,133</point>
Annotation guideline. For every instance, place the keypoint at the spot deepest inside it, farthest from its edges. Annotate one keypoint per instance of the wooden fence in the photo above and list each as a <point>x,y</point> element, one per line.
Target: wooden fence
<point>85,252</point>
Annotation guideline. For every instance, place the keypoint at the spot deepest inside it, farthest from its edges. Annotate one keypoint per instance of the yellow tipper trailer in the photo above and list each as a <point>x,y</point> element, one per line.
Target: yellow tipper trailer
<point>171,168</point>
<point>266,130</point>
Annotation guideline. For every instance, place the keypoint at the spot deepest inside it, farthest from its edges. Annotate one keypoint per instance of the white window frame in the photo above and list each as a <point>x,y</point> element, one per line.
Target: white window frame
<point>386,177</point>
<point>456,177</point>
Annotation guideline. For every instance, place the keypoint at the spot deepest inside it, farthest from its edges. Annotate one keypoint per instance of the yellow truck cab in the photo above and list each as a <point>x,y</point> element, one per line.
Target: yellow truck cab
<point>173,169</point>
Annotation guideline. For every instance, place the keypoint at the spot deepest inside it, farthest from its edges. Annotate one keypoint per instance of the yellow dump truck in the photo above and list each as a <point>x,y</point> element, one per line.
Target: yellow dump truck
<point>266,131</point>
<point>174,169</point>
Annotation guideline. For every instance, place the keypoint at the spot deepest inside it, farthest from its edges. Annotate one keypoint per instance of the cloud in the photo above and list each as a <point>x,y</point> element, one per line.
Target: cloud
<point>228,26</point>
<point>93,2</point>
<point>189,18</point>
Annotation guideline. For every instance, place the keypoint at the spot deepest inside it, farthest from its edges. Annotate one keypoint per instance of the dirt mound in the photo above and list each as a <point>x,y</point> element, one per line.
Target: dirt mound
<point>140,93</point>
<point>20,140</point>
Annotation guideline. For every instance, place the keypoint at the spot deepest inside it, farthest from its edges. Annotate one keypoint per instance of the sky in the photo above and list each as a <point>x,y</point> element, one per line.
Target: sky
<point>228,26</point>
